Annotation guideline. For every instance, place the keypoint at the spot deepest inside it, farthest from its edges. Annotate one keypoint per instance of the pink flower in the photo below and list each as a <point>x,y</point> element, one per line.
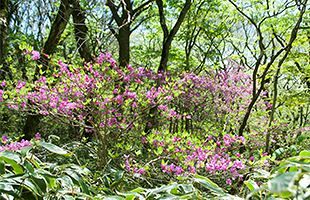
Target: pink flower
<point>20,85</point>
<point>141,171</point>
<point>192,169</point>
<point>228,181</point>
<point>163,107</point>
<point>1,94</point>
<point>178,170</point>
<point>4,138</point>
<point>131,95</point>
<point>35,55</point>
<point>252,158</point>
<point>143,140</point>
<point>3,83</point>
<point>127,164</point>
<point>37,136</point>
<point>238,164</point>
<point>172,113</point>
<point>119,99</point>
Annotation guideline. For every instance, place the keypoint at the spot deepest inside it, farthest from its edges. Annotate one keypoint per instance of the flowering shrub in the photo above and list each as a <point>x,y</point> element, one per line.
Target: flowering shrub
<point>116,104</point>
<point>181,154</point>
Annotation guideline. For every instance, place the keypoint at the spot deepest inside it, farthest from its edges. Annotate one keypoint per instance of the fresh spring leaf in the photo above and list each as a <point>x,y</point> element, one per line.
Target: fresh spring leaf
<point>207,183</point>
<point>53,148</point>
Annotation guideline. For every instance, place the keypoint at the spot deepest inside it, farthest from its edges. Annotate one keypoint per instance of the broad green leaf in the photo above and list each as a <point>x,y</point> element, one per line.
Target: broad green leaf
<point>282,183</point>
<point>251,185</point>
<point>207,183</point>
<point>11,155</point>
<point>304,153</point>
<point>53,148</point>
<point>305,181</point>
<point>18,169</point>
<point>79,180</point>
<point>32,187</point>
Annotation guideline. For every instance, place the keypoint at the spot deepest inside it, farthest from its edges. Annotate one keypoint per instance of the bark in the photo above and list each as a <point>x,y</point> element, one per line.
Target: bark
<point>169,36</point>
<point>124,46</point>
<point>81,30</point>
<point>58,27</point>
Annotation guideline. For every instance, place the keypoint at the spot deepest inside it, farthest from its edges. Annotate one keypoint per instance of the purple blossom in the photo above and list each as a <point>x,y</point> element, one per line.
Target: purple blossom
<point>20,85</point>
<point>37,136</point>
<point>3,83</point>
<point>15,146</point>
<point>238,164</point>
<point>35,55</point>
<point>4,138</point>
<point>1,95</point>
<point>228,181</point>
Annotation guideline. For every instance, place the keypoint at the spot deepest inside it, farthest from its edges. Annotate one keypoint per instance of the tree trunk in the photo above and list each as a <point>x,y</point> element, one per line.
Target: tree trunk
<point>81,30</point>
<point>124,45</point>
<point>32,121</point>
<point>58,27</point>
<point>169,35</point>
<point>164,56</point>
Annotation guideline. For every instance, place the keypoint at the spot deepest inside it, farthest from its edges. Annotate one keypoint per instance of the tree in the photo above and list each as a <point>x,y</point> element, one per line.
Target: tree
<point>168,36</point>
<point>124,21</point>
<point>264,60</point>
<point>57,29</point>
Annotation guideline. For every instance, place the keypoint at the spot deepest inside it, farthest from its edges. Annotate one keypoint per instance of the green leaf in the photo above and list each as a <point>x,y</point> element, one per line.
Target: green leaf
<point>113,198</point>
<point>2,169</point>
<point>251,185</point>
<point>305,181</point>
<point>11,155</point>
<point>207,183</point>
<point>53,148</point>
<point>29,166</point>
<point>18,169</point>
<point>282,183</point>
<point>304,153</point>
<point>32,187</point>
<point>81,182</point>
<point>8,189</point>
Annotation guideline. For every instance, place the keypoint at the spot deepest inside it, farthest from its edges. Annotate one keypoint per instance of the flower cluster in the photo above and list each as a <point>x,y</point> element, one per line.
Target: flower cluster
<point>213,156</point>
<point>35,55</point>
<point>8,145</point>
<point>13,146</point>
<point>131,168</point>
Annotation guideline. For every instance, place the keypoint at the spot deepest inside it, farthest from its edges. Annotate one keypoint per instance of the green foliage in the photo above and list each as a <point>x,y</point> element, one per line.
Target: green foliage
<point>288,180</point>
<point>25,176</point>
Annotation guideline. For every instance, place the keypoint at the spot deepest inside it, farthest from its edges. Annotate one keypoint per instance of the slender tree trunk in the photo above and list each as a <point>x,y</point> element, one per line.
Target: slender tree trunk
<point>124,45</point>
<point>164,56</point>
<point>273,58</point>
<point>274,102</point>
<point>81,30</point>
<point>169,35</point>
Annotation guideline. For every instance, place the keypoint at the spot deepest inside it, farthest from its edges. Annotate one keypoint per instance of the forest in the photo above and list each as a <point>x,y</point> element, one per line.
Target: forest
<point>154,99</point>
